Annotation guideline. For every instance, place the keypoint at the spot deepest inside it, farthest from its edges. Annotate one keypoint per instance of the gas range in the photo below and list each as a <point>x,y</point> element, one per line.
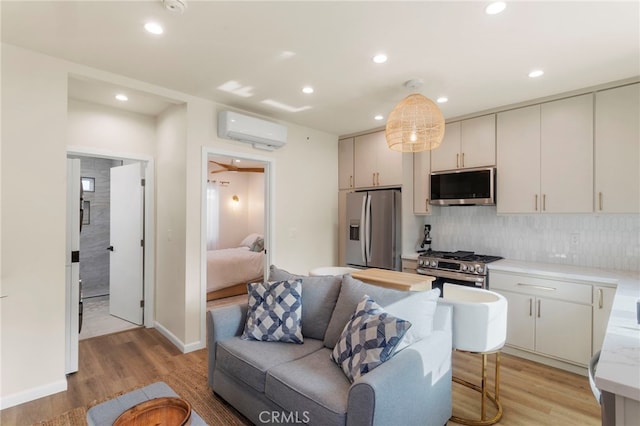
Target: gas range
<point>460,267</point>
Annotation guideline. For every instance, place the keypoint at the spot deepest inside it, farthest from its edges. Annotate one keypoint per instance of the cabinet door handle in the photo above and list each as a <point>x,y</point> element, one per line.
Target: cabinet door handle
<point>538,308</point>
<point>530,307</point>
<point>457,161</point>
<point>544,202</point>
<point>351,181</point>
<point>378,178</point>
<point>600,298</point>
<point>538,287</point>
<point>373,178</point>
<point>536,203</point>
<point>463,159</point>
<point>426,204</point>
<point>600,200</point>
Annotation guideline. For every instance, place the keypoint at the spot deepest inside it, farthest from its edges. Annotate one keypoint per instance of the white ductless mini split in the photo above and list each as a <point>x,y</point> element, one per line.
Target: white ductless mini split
<point>260,133</point>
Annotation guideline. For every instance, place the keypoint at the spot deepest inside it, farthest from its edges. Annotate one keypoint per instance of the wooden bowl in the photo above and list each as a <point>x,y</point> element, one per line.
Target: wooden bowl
<point>166,411</point>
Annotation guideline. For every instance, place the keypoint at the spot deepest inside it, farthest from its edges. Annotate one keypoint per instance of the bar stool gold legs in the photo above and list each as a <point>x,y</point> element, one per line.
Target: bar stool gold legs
<point>495,398</point>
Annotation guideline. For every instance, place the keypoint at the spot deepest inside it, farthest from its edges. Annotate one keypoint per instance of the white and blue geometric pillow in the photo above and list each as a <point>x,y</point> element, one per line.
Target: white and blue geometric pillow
<point>369,339</point>
<point>275,312</point>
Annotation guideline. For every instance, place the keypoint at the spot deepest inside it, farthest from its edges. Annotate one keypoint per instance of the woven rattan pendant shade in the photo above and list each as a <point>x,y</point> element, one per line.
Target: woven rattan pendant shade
<point>415,124</point>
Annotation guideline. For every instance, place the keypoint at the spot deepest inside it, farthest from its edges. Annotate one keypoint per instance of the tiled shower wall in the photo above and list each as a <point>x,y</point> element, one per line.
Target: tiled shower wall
<point>599,241</point>
<point>94,237</point>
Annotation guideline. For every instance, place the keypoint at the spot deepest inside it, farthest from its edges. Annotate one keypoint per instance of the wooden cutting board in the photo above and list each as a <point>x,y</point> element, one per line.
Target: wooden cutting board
<point>394,279</point>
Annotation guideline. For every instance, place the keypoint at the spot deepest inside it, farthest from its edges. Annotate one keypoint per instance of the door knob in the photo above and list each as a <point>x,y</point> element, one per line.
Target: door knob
<point>110,248</point>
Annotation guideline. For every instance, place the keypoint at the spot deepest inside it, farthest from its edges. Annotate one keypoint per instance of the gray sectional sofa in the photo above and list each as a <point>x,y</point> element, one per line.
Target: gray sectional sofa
<point>284,383</point>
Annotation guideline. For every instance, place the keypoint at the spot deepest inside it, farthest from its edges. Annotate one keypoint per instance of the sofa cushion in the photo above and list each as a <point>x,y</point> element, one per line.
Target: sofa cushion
<point>368,339</point>
<point>319,297</point>
<point>351,292</point>
<point>275,312</point>
<point>249,360</point>
<point>313,385</point>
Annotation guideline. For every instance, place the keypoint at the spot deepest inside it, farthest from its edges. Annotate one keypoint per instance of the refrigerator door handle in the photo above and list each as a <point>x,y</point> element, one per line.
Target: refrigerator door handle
<point>368,228</point>
<point>363,226</point>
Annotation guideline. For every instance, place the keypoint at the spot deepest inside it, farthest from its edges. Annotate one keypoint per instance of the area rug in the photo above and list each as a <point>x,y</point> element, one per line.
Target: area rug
<point>190,384</point>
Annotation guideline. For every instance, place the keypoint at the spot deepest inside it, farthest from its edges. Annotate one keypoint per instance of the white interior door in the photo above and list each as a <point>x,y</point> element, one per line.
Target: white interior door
<point>127,235</point>
<point>72,266</point>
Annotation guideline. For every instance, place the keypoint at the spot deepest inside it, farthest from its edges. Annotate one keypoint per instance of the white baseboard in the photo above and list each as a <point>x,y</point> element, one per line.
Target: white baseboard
<point>33,393</point>
<point>184,348</point>
<point>551,362</point>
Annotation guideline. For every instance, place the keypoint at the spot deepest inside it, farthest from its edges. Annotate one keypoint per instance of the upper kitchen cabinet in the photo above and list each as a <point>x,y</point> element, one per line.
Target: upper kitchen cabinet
<point>617,150</point>
<point>421,176</point>
<point>467,144</point>
<point>345,163</point>
<point>374,163</point>
<point>566,135</point>
<point>545,157</point>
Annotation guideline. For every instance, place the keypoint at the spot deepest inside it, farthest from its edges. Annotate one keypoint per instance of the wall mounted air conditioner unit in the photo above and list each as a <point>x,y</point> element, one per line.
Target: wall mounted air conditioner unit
<point>261,133</point>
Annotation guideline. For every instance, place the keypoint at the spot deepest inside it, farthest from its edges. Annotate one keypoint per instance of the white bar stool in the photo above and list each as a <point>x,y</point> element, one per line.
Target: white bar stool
<point>479,326</point>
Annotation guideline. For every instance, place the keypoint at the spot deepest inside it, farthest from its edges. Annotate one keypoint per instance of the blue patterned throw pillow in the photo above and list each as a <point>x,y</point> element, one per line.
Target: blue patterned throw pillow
<point>275,312</point>
<point>368,339</point>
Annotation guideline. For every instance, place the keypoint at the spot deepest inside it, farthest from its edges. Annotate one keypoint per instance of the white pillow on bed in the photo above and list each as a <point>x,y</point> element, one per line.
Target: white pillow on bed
<point>249,240</point>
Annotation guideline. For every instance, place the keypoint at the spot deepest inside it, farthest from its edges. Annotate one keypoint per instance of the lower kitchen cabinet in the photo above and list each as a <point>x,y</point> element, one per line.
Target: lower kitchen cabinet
<point>548,317</point>
<point>409,265</point>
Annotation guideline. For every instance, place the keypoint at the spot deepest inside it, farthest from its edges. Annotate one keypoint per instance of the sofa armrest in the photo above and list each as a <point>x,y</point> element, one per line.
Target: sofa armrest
<point>223,323</point>
<point>412,388</point>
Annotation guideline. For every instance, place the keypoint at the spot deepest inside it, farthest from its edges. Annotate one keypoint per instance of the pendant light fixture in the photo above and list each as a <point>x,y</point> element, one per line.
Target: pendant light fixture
<point>415,124</point>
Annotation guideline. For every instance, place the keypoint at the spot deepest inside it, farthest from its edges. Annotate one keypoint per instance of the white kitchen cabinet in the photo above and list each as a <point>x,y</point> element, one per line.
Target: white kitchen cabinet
<point>467,144</point>
<point>546,316</point>
<point>617,150</point>
<point>374,163</point>
<point>421,177</point>
<point>518,158</point>
<point>345,163</point>
<point>566,134</point>
<point>602,303</point>
<point>545,157</point>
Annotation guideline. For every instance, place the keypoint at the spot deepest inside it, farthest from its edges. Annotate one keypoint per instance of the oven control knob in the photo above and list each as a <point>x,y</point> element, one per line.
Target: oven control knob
<point>464,267</point>
<point>433,264</point>
<point>478,269</point>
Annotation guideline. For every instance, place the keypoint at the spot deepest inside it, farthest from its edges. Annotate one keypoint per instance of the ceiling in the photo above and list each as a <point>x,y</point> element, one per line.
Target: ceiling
<point>272,49</point>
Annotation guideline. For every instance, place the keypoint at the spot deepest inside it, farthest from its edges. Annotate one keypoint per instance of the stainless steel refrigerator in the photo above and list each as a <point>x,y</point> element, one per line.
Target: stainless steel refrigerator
<point>373,229</point>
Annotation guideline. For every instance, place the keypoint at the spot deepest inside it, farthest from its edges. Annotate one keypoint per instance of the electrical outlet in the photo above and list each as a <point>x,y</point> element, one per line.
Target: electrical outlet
<point>575,239</point>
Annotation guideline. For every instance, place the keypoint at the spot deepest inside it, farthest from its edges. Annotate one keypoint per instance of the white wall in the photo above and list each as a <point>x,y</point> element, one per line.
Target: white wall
<point>34,117</point>
<point>34,126</point>
<point>255,203</point>
<point>109,129</point>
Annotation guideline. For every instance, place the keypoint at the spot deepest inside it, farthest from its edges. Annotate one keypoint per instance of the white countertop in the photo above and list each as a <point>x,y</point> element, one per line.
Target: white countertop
<point>618,370</point>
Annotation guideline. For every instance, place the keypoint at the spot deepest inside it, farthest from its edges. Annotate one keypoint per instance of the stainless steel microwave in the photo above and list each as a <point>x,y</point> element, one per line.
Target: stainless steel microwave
<point>464,187</point>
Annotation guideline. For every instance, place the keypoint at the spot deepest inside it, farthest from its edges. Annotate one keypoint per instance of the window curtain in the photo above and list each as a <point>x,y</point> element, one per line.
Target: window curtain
<point>213,215</point>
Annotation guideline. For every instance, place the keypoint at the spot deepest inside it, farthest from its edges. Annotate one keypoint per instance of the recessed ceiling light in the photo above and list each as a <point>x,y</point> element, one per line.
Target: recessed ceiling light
<point>380,58</point>
<point>307,89</point>
<point>536,73</point>
<point>154,28</point>
<point>378,117</point>
<point>495,7</point>
<point>442,99</point>
<point>122,97</point>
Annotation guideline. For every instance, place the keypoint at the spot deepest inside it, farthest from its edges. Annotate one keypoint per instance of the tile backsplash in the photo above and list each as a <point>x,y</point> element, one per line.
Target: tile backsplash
<point>599,241</point>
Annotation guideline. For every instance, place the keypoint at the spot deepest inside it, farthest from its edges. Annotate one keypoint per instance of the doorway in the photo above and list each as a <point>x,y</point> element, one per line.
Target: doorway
<point>106,308</point>
<point>99,244</point>
<point>236,223</point>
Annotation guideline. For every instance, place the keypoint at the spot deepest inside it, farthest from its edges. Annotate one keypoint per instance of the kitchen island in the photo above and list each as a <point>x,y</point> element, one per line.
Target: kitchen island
<point>394,279</point>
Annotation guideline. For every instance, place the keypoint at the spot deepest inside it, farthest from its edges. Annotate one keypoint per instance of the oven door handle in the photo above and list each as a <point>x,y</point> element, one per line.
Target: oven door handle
<point>452,275</point>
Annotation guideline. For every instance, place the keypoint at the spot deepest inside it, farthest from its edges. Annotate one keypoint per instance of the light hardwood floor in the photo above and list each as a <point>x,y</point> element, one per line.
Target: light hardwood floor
<point>531,394</point>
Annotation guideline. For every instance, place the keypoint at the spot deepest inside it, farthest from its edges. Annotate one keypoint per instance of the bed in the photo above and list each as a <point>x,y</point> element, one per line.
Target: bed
<point>229,270</point>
